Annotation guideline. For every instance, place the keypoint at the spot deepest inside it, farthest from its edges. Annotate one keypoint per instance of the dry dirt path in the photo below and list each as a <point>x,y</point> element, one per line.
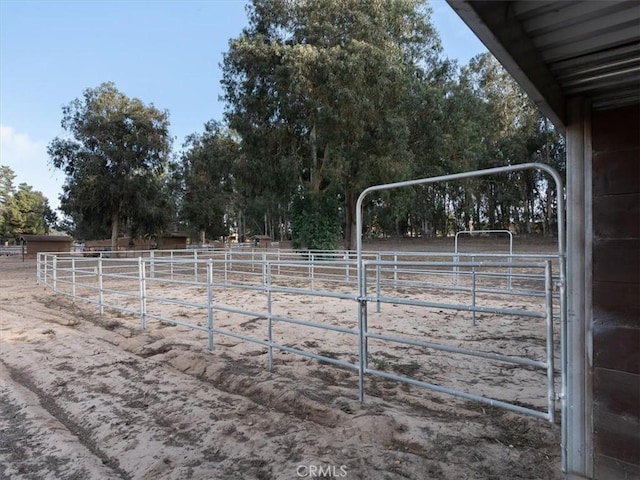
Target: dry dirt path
<point>88,397</point>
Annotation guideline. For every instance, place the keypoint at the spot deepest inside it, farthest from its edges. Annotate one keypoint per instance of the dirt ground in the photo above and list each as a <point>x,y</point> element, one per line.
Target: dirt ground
<point>84,396</point>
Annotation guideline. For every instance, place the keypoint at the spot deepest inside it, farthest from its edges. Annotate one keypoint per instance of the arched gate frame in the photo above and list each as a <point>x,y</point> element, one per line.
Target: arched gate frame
<point>362,294</point>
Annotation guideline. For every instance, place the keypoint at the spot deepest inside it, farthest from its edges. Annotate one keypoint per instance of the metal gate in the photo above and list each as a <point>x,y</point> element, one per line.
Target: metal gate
<point>364,299</point>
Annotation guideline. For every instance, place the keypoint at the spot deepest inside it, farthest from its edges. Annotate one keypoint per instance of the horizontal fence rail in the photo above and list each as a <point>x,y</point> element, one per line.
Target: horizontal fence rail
<point>11,250</point>
<point>152,284</point>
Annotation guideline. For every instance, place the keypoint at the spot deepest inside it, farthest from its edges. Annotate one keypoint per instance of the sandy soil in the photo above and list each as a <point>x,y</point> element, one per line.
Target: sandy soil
<point>84,396</point>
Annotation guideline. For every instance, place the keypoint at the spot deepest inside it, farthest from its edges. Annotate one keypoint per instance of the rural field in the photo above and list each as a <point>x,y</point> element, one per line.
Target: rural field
<point>84,396</point>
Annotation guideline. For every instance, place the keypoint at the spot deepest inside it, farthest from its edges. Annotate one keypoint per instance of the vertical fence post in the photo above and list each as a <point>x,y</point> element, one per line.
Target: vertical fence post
<point>55,273</point>
<point>548,287</point>
<point>473,292</point>
<point>142,279</point>
<point>100,292</point>
<point>39,269</point>
<point>269,321</point>
<point>456,259</point>
<point>362,329</point>
<point>210,303</point>
<point>346,266</point>
<point>264,269</point>
<point>395,271</point>
<point>378,281</point>
<point>195,265</point>
<point>564,360</point>
<point>46,267</point>
<point>365,320</point>
<point>73,278</point>
<point>509,283</point>
<point>171,263</point>
<point>312,269</point>
<point>227,258</point>
<point>153,264</point>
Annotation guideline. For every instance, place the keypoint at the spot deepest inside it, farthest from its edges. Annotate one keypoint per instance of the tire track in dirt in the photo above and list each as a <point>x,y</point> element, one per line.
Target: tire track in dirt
<point>155,404</point>
<point>35,429</point>
<point>132,406</point>
<point>119,403</point>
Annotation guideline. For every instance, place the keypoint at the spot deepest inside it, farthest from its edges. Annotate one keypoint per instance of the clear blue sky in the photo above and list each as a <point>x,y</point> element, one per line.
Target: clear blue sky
<point>165,52</point>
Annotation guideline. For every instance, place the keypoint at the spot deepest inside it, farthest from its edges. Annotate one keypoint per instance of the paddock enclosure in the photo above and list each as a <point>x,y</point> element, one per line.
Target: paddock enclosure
<point>479,322</point>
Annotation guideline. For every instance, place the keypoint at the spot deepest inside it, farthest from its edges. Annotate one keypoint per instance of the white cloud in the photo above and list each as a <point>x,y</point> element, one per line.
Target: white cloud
<point>17,147</point>
<point>29,161</point>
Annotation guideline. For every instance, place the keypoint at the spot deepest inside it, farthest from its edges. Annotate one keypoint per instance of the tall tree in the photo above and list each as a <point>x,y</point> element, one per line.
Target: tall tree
<point>317,90</point>
<point>447,136</point>
<point>117,152</point>
<point>514,132</point>
<point>207,181</point>
<point>7,176</point>
<point>26,211</point>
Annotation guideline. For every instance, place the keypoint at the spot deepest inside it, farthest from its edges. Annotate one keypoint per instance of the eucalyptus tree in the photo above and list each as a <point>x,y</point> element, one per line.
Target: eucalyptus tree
<point>25,210</point>
<point>114,157</point>
<point>515,132</point>
<point>206,173</point>
<point>468,127</point>
<point>22,209</point>
<point>7,176</point>
<point>447,133</point>
<point>317,91</point>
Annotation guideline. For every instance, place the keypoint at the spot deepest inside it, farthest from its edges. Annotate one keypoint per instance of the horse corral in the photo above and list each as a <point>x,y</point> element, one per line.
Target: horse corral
<point>283,331</point>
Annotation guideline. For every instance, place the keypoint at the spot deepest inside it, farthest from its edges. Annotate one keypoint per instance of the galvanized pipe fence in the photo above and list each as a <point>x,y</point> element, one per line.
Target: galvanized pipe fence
<point>146,286</point>
<point>553,174</point>
<point>343,270</point>
<point>482,232</point>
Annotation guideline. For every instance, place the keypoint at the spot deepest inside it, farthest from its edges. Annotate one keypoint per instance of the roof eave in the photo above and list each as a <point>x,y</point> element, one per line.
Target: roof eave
<point>495,24</point>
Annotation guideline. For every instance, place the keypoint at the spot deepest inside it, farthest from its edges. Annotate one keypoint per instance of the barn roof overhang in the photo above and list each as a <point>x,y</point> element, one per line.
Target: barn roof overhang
<point>557,50</point>
<point>45,238</point>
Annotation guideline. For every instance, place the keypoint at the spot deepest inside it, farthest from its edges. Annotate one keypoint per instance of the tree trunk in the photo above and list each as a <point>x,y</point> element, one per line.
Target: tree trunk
<point>549,219</point>
<point>353,241</point>
<point>317,163</point>
<point>351,231</point>
<point>115,227</point>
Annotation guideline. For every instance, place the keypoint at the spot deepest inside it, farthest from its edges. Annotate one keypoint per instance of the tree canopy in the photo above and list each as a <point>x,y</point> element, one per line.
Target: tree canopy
<point>23,210</point>
<point>205,179</point>
<point>323,99</point>
<point>114,159</point>
<point>317,90</point>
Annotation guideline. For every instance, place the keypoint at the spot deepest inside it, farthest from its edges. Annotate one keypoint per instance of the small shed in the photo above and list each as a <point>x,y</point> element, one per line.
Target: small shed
<point>173,241</point>
<point>262,241</point>
<point>45,243</point>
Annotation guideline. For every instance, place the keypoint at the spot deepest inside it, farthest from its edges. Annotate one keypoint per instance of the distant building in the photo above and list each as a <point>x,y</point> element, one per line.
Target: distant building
<point>173,241</point>
<point>169,241</point>
<point>45,243</point>
<point>262,241</point>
